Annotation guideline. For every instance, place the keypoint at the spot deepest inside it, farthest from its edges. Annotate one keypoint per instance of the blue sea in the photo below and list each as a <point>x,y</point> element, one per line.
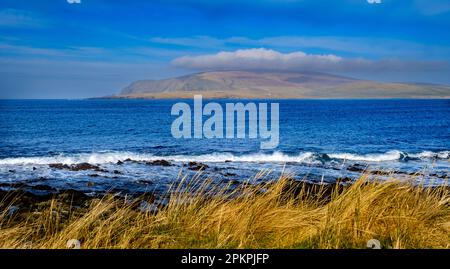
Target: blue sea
<point>320,141</point>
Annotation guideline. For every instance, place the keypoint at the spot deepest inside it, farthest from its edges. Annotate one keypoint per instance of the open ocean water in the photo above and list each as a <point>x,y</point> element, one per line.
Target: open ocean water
<point>320,140</point>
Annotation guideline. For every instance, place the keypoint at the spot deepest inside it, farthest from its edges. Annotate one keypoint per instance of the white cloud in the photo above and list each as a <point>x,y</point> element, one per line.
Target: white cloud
<point>74,1</point>
<point>267,59</point>
<point>254,59</point>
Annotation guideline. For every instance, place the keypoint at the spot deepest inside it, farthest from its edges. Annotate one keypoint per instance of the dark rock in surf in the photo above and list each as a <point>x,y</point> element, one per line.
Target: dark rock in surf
<point>26,199</point>
<point>439,176</point>
<point>42,187</point>
<point>84,166</point>
<point>196,166</point>
<point>41,179</point>
<point>128,160</point>
<point>59,166</point>
<point>356,168</point>
<point>159,162</point>
<point>76,167</point>
<point>145,182</point>
<point>11,185</point>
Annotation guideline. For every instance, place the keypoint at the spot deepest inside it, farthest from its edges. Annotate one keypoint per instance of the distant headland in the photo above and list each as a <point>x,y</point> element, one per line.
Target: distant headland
<point>277,85</point>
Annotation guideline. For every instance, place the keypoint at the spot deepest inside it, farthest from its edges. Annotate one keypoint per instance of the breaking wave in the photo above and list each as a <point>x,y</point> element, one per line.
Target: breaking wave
<point>305,157</point>
<point>381,157</point>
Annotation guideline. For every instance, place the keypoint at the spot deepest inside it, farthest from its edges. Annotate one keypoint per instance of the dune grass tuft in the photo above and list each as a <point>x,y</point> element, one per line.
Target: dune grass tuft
<point>282,214</point>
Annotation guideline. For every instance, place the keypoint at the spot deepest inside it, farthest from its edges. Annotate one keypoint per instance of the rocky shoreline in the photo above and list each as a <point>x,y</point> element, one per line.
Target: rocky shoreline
<point>29,195</point>
<point>52,219</point>
<point>42,186</point>
<point>24,200</point>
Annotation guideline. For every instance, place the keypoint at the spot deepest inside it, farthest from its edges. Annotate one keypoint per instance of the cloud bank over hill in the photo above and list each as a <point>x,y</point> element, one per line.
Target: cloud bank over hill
<point>268,59</point>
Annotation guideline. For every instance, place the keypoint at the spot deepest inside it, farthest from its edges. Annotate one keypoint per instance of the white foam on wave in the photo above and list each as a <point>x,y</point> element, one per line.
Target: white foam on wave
<point>114,157</point>
<point>257,157</point>
<point>392,155</point>
<point>431,155</point>
<point>93,158</point>
<point>305,157</point>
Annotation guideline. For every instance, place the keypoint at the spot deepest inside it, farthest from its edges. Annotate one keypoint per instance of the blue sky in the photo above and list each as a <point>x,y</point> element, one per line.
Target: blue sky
<point>54,49</point>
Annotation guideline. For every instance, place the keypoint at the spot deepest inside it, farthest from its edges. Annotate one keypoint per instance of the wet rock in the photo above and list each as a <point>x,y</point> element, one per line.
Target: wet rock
<point>59,166</point>
<point>117,172</point>
<point>84,166</point>
<point>356,168</point>
<point>145,181</point>
<point>76,167</point>
<point>159,162</point>
<point>94,175</point>
<point>438,176</point>
<point>11,184</point>
<point>90,184</point>
<point>42,187</point>
<point>12,171</point>
<point>196,166</point>
<point>119,162</point>
<point>24,182</point>
<point>128,160</point>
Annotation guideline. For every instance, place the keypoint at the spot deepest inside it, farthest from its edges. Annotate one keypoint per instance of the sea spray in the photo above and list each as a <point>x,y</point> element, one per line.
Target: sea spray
<point>277,156</point>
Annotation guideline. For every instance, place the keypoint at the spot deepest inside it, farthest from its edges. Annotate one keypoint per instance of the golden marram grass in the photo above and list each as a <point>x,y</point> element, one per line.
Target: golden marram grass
<point>199,214</point>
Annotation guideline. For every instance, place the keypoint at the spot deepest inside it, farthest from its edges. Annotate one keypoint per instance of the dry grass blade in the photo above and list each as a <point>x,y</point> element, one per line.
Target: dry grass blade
<point>280,214</point>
